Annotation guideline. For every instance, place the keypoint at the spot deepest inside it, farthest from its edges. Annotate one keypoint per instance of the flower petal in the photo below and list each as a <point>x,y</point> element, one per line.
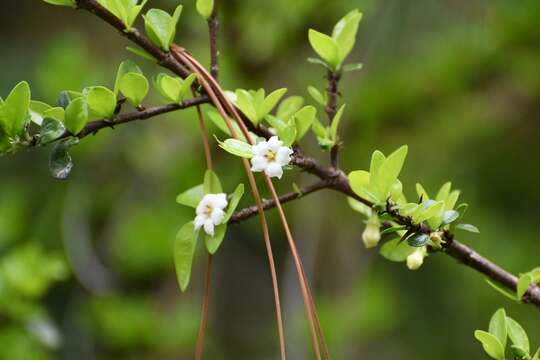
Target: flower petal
<point>274,143</point>
<point>260,149</point>
<point>259,163</point>
<point>220,201</point>
<point>199,221</point>
<point>217,216</point>
<point>274,170</point>
<point>209,227</point>
<point>283,156</point>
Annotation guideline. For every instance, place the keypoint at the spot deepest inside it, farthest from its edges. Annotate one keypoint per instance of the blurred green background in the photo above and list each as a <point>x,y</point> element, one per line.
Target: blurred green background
<point>86,267</point>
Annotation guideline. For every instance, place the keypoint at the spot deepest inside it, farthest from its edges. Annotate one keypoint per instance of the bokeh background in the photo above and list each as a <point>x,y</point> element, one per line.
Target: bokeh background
<point>86,266</point>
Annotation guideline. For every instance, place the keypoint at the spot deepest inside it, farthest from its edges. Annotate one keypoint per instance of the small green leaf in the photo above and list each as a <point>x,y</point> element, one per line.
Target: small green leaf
<point>205,8</point>
<point>344,33</point>
<point>101,101</point>
<point>211,184</point>
<point>517,335</point>
<point>169,87</point>
<point>523,285</point>
<point>505,292</point>
<point>191,197</point>
<point>213,242</point>
<point>428,210</point>
<point>396,251</point>
<point>76,115</point>
<point>270,102</point>
<point>60,161</point>
<point>57,113</point>
<point>14,113</point>
<point>234,201</point>
<point>497,326</point>
<point>244,101</point>
<point>491,344</point>
<point>141,53</point>
<point>325,47</point>
<point>335,122</point>
<point>449,216</point>
<point>468,227</point>
<point>317,95</point>
<point>37,109</point>
<point>186,85</point>
<point>70,3</point>
<point>360,184</point>
<point>237,148</point>
<point>161,27</point>
<point>352,67</point>
<point>390,169</point>
<point>393,229</point>
<point>289,107</point>
<point>304,119</point>
<point>51,129</point>
<point>288,135</point>
<point>125,67</point>
<point>184,250</point>
<point>418,240</point>
<point>134,86</point>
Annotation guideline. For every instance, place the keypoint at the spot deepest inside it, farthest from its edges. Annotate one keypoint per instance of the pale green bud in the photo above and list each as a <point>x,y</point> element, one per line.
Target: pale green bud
<point>416,259</point>
<point>372,233</point>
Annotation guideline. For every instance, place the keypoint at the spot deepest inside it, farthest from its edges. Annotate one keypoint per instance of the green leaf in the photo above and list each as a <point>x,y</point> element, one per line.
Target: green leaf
<point>57,113</point>
<point>317,95</point>
<point>289,107</point>
<point>169,87</point>
<point>422,193</point>
<point>303,119</point>
<point>523,284</point>
<point>213,242</point>
<point>70,3</point>
<point>237,148</point>
<point>325,47</point>
<point>352,67</point>
<point>51,129</point>
<point>211,184</point>
<point>270,102</point>
<point>244,101</point>
<point>418,240</point>
<point>37,109</point>
<point>186,85</point>
<point>503,291</point>
<point>287,135</point>
<point>141,53</point>
<point>335,122</point>
<point>389,170</point>
<point>519,352</point>
<point>428,210</point>
<point>60,161</point>
<point>344,33</point>
<point>491,344</point>
<point>161,27</point>
<point>76,115</point>
<point>449,216</point>
<point>184,250</point>
<point>444,192</point>
<point>396,251</point>
<point>216,118</point>
<point>468,227</point>
<point>234,201</point>
<point>205,8</point>
<point>497,326</point>
<point>14,113</point>
<point>133,12</point>
<point>360,184</point>
<point>134,86</point>
<point>191,197</point>
<point>125,67</point>
<point>517,335</point>
<point>101,101</point>
<point>393,229</point>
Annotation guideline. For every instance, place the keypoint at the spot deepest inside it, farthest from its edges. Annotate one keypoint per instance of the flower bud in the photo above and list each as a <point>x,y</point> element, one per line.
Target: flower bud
<point>372,233</point>
<point>436,239</point>
<point>416,259</point>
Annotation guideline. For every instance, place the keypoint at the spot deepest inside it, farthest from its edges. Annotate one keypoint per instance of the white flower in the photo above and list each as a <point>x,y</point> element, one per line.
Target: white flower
<point>416,259</point>
<point>210,212</point>
<point>270,156</point>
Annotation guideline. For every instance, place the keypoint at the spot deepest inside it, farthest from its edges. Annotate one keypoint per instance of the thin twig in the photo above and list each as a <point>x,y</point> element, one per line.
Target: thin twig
<point>213,30</point>
<point>331,109</point>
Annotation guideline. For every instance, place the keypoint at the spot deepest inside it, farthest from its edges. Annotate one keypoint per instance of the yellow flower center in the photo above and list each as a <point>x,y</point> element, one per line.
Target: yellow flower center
<point>270,155</point>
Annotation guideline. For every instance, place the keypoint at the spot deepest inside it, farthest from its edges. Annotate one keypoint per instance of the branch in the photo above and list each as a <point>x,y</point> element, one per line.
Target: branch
<point>248,212</point>
<point>213,29</point>
<point>331,108</point>
<point>94,126</point>
<point>333,176</point>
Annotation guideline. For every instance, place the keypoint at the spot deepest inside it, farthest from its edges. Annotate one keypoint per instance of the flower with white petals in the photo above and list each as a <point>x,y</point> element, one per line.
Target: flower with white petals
<point>270,157</point>
<point>210,212</point>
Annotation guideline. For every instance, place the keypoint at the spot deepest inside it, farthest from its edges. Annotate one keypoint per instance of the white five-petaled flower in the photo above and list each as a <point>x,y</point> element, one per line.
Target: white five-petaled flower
<point>270,156</point>
<point>210,212</point>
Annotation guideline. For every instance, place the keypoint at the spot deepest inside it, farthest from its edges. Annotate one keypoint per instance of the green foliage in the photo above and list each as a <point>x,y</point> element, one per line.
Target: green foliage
<point>173,88</point>
<point>126,10</point>
<point>161,27</point>
<point>101,101</point>
<point>125,67</point>
<point>205,8</point>
<point>525,280</point>
<point>76,115</point>
<point>237,148</point>
<point>14,110</point>
<point>70,3</point>
<point>254,104</point>
<point>134,86</point>
<point>184,249</point>
<point>334,49</point>
<point>502,327</point>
